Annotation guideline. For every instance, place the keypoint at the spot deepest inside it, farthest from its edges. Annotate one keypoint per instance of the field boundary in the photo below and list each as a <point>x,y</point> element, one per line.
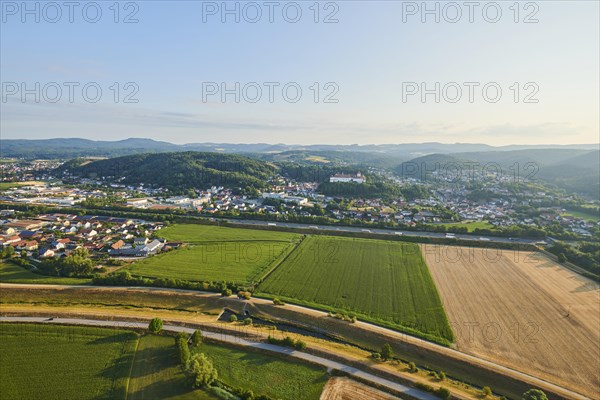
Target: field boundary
<point>278,262</point>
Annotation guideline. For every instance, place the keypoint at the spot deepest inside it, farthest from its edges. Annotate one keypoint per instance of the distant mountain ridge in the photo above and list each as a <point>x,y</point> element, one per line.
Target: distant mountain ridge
<point>66,148</point>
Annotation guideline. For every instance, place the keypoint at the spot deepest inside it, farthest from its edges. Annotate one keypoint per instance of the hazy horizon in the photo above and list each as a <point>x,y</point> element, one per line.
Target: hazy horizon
<point>368,72</point>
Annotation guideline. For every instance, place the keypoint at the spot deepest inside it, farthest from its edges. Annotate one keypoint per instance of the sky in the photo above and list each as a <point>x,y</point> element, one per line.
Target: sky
<point>305,72</point>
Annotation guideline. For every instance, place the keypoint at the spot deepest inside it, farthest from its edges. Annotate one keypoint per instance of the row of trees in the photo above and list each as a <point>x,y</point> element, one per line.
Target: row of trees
<point>77,263</point>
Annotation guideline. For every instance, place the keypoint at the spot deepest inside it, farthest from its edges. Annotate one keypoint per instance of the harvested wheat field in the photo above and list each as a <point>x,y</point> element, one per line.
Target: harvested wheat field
<point>521,310</point>
<point>346,389</point>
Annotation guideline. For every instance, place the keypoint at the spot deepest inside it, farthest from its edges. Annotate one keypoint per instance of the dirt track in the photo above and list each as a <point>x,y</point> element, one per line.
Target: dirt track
<point>522,310</point>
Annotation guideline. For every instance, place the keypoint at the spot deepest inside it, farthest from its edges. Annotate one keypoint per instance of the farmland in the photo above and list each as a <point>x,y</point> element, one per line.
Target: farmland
<point>48,360</point>
<point>13,273</point>
<point>265,374</point>
<point>381,281</point>
<point>157,374</point>
<point>217,254</point>
<point>508,307</point>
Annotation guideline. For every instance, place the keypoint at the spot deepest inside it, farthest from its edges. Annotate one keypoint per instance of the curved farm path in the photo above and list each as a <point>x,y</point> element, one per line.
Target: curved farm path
<point>393,336</point>
<point>351,371</point>
<point>523,310</point>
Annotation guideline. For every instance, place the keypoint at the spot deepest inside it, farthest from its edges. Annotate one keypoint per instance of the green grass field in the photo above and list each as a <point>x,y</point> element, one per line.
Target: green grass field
<point>217,254</point>
<point>75,362</point>
<point>588,216</point>
<point>385,282</point>
<point>471,225</point>
<point>195,233</point>
<point>13,273</point>
<point>8,185</point>
<point>62,362</point>
<point>266,374</point>
<point>156,372</point>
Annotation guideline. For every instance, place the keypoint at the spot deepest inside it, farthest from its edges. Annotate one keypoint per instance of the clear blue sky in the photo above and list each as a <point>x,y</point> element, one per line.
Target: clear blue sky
<point>369,54</point>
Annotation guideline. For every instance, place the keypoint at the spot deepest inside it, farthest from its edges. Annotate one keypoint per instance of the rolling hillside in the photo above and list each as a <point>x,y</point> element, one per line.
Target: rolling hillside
<point>175,171</point>
<point>575,170</point>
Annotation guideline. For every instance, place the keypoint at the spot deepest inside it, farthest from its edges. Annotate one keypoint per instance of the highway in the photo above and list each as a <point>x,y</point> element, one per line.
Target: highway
<point>379,231</point>
<point>334,365</point>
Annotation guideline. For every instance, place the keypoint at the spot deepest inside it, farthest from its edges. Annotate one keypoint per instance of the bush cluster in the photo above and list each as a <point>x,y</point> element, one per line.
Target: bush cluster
<point>288,342</point>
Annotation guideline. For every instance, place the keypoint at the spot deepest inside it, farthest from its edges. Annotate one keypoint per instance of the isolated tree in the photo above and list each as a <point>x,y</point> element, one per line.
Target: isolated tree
<point>197,338</point>
<point>202,370</point>
<point>248,321</point>
<point>387,352</point>
<point>233,318</point>
<point>155,325</point>
<point>534,394</point>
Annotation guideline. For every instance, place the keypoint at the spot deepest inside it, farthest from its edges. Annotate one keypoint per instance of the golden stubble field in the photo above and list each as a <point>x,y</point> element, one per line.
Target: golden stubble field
<point>523,311</point>
<point>339,388</point>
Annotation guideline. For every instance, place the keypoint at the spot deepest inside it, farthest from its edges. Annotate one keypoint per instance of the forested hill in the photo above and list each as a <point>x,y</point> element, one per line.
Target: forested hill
<point>175,171</point>
<point>574,170</point>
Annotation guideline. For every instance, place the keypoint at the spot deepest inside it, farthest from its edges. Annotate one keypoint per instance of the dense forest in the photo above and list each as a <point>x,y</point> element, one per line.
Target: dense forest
<point>175,171</point>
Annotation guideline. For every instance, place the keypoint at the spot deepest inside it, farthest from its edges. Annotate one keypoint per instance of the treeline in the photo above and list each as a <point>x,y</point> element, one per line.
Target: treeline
<point>124,278</point>
<point>76,264</point>
<point>587,256</point>
<point>197,366</point>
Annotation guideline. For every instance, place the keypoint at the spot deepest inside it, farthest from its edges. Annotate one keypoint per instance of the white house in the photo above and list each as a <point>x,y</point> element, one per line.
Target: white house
<point>358,178</point>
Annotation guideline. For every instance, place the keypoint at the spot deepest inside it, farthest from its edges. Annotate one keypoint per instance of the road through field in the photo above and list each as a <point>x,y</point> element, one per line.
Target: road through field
<point>351,371</point>
<point>497,367</point>
<point>522,310</point>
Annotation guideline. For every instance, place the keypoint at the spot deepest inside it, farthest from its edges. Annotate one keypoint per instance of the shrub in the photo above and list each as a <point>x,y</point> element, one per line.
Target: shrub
<point>244,295</point>
<point>486,391</point>
<point>155,325</point>
<point>226,292</point>
<point>184,351</point>
<point>424,386</point>
<point>434,375</point>
<point>288,342</point>
<point>197,338</point>
<point>376,355</point>
<point>278,302</point>
<point>300,345</point>
<point>442,392</point>
<point>386,352</point>
<point>202,370</point>
<point>534,394</point>
<point>442,375</point>
<point>412,367</point>
<point>233,318</point>
<point>248,321</point>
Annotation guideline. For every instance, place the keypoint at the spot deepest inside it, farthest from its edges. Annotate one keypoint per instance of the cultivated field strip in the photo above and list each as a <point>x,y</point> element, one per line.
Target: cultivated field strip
<point>64,362</point>
<point>383,281</point>
<point>213,253</point>
<point>524,311</point>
